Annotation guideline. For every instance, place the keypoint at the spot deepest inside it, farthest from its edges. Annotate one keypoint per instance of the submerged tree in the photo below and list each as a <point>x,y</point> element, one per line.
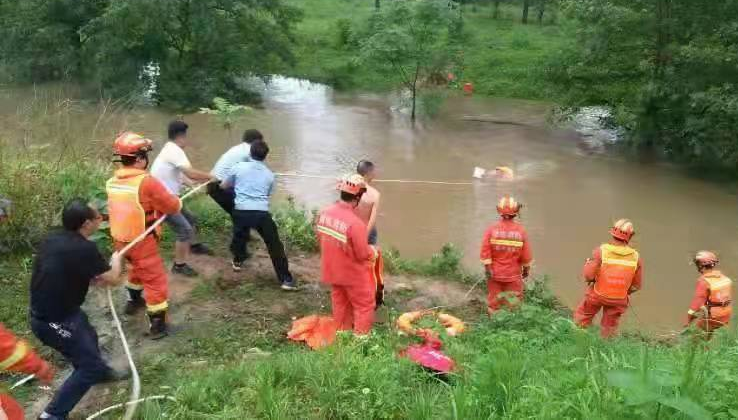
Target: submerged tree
<point>410,41</point>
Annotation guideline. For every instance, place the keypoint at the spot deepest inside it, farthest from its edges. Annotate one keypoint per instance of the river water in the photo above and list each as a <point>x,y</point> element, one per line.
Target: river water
<point>571,191</point>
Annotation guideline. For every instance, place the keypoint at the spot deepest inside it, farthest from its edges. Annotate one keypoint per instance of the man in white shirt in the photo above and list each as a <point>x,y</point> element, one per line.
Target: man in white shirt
<point>172,168</point>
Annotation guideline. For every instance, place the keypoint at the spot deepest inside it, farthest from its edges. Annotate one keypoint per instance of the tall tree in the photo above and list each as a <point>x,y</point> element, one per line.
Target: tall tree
<point>526,7</point>
<point>410,41</point>
<point>496,10</point>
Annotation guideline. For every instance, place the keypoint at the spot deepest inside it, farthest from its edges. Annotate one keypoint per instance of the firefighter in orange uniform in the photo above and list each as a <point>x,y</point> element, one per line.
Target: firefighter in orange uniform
<point>505,254</point>
<point>712,300</point>
<point>17,356</point>
<point>613,274</point>
<point>346,257</point>
<point>135,200</point>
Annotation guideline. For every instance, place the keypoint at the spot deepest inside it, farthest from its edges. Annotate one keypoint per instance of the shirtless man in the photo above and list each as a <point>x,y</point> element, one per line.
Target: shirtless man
<point>369,205</point>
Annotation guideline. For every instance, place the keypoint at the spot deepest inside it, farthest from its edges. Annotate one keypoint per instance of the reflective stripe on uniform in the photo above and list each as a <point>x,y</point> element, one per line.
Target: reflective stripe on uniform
<point>152,309</point>
<point>720,283</point>
<point>690,312</point>
<point>487,262</point>
<point>134,286</point>
<point>517,244</point>
<point>616,261</point>
<point>20,351</point>
<point>332,233</point>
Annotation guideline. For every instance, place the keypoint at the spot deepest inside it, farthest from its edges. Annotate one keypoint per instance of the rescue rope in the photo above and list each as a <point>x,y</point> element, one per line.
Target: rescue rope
<point>399,181</point>
<point>136,389</point>
<point>121,405</point>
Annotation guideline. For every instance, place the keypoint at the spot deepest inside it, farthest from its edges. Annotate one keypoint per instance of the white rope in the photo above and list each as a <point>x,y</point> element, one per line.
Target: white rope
<point>399,181</point>
<point>136,389</point>
<point>22,381</point>
<point>140,400</point>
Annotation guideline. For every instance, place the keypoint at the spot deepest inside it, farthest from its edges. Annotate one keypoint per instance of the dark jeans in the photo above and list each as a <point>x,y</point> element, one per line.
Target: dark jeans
<point>76,340</point>
<point>373,236</point>
<point>225,199</point>
<point>262,222</point>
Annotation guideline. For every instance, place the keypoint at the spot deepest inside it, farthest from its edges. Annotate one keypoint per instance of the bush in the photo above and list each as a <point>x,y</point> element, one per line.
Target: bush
<point>296,226</point>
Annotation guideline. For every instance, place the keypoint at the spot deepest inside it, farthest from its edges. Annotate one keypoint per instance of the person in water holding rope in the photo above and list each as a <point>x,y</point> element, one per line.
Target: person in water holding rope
<point>711,305</point>
<point>345,259</point>
<point>135,200</point>
<point>253,183</point>
<point>613,273</point>
<point>66,264</point>
<point>172,167</point>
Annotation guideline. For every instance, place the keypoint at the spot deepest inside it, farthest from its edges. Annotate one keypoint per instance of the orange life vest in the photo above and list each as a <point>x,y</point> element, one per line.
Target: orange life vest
<point>619,265</point>
<point>720,293</point>
<point>127,216</point>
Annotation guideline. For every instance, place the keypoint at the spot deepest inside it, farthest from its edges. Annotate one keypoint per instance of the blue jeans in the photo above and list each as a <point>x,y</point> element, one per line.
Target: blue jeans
<point>76,340</point>
<point>373,236</point>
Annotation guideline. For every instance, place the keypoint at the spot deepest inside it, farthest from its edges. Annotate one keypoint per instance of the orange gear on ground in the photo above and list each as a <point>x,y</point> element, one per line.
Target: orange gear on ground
<point>11,408</point>
<point>17,356</point>
<point>453,325</point>
<point>316,331</point>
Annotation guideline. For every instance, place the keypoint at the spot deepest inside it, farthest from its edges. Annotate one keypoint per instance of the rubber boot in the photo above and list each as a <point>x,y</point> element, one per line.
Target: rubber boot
<point>135,302</point>
<point>158,325</point>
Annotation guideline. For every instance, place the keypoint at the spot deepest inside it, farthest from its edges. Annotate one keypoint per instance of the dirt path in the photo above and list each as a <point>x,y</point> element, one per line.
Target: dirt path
<point>197,303</point>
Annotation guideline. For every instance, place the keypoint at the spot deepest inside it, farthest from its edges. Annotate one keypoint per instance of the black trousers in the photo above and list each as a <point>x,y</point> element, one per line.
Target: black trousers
<point>76,340</point>
<point>224,198</point>
<point>262,222</point>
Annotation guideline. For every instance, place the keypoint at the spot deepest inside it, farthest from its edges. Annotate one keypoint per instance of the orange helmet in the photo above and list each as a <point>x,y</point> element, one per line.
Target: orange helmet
<point>352,184</point>
<point>623,230</point>
<point>706,259</point>
<point>508,206</point>
<point>131,144</point>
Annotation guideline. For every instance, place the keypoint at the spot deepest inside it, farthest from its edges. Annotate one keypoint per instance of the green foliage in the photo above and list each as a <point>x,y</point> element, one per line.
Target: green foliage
<point>667,68</point>
<point>226,113</point>
<point>446,264</point>
<point>410,41</point>
<point>296,226</point>
<point>201,49</point>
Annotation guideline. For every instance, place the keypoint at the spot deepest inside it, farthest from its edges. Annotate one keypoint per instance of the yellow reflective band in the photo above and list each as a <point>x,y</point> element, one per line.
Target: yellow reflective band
<point>20,351</point>
<point>330,232</point>
<point>516,244</point>
<point>615,261</point>
<point>134,286</point>
<point>126,189</point>
<point>487,262</point>
<point>152,309</point>
<point>719,284</point>
<point>690,312</point>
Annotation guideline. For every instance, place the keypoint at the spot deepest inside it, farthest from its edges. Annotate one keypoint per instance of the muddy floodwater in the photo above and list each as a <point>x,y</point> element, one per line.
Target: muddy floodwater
<point>571,192</point>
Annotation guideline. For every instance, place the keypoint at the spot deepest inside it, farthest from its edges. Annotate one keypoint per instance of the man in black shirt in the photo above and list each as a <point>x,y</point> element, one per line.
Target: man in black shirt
<point>66,264</point>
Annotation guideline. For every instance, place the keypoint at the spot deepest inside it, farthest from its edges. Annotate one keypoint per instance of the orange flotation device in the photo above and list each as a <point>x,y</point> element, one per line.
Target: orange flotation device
<point>316,331</point>
<point>454,326</point>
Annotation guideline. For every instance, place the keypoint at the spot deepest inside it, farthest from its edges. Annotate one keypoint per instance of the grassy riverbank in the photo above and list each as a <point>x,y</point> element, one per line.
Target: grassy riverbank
<point>502,57</point>
<point>231,359</point>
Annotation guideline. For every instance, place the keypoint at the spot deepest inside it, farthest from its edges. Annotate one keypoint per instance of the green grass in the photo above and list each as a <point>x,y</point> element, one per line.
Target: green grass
<point>501,57</point>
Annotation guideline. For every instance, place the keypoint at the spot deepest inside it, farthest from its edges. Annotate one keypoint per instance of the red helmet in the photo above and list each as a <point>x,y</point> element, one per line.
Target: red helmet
<point>622,230</point>
<point>508,206</point>
<point>131,144</point>
<point>352,184</point>
<point>706,259</point>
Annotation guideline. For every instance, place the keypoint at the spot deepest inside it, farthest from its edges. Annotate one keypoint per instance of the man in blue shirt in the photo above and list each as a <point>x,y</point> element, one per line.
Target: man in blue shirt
<point>253,183</point>
<point>236,154</point>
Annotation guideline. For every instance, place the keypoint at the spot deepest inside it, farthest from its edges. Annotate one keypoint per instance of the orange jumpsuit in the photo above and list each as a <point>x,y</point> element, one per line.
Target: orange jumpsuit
<point>145,266</point>
<point>714,293</point>
<point>17,356</point>
<point>344,262</point>
<point>505,253</point>
<point>613,272</point>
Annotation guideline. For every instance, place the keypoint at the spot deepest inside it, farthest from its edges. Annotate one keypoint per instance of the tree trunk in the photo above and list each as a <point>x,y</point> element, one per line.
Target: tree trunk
<point>526,6</point>
<point>415,95</point>
<point>541,10</point>
<point>496,13</point>
<point>376,4</point>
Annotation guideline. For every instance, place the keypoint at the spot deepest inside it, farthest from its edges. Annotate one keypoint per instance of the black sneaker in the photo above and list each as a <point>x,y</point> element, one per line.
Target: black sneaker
<point>117,375</point>
<point>184,270</point>
<point>237,265</point>
<point>290,285</point>
<point>201,249</point>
